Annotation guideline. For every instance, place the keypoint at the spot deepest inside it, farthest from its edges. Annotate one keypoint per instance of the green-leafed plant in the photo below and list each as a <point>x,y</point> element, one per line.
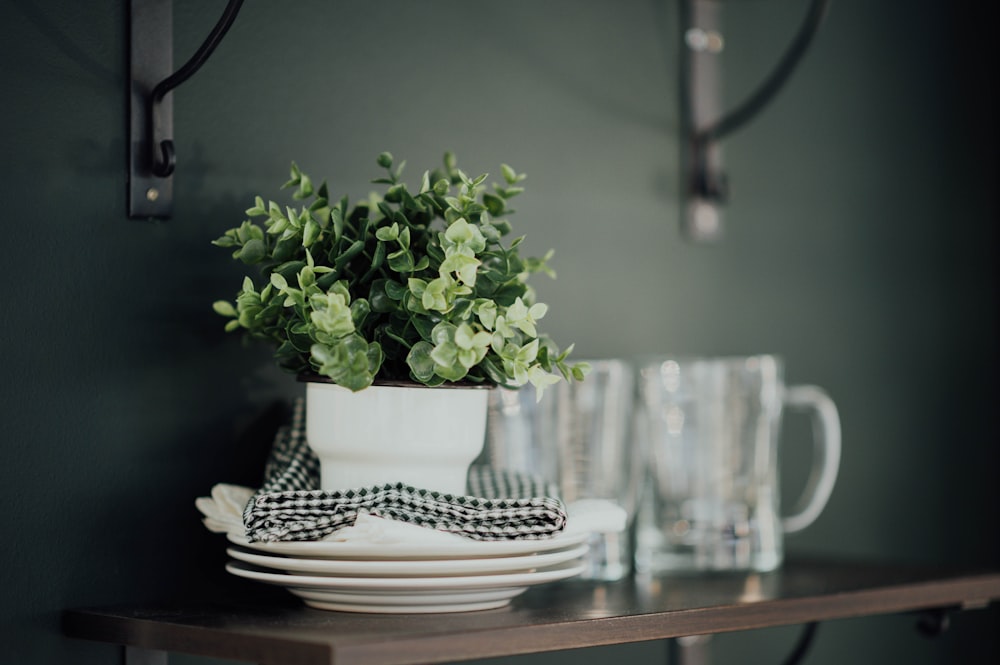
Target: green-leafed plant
<point>404,286</point>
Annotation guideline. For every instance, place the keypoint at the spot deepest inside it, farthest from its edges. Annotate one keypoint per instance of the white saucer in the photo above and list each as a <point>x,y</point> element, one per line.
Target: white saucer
<point>408,584</point>
<point>409,594</point>
<point>458,549</point>
<point>412,567</point>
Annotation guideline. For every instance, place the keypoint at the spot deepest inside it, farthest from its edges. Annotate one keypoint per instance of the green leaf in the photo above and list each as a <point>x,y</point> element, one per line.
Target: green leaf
<point>385,160</point>
<point>379,299</point>
<point>502,226</point>
<point>443,332</point>
<point>401,261</point>
<point>508,293</point>
<point>424,326</point>
<point>278,225</point>
<point>327,279</point>
<point>420,362</point>
<point>345,257</point>
<point>307,277</point>
<point>320,210</point>
<point>379,257</point>
<point>414,305</point>
<point>494,204</point>
<point>305,189</point>
<point>310,233</point>
<point>290,268</point>
<point>253,252</point>
<point>493,371</point>
<point>387,233</point>
<point>363,225</point>
<point>396,338</point>
<point>224,308</point>
<point>453,372</point>
<point>395,290</point>
<point>475,210</point>
<point>258,209</point>
<point>393,194</point>
<point>510,175</point>
<point>409,202</point>
<point>279,281</point>
<point>416,286</point>
<point>360,309</point>
<point>461,309</point>
<point>346,361</point>
<point>490,232</point>
<point>375,358</point>
<point>337,216</point>
<point>286,249</point>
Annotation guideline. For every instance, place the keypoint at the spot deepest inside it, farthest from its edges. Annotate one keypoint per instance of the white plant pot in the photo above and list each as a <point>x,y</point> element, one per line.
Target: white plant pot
<point>424,437</point>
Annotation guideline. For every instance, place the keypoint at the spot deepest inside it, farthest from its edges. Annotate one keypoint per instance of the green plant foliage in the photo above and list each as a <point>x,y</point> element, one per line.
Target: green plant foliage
<point>407,285</point>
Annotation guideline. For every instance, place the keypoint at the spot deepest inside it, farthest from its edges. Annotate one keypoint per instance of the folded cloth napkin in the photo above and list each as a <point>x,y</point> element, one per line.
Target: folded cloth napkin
<point>223,513</point>
<point>223,510</point>
<point>500,505</point>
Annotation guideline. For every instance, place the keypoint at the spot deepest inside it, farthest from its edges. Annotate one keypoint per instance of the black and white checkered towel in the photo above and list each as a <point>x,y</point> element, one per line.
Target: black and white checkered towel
<point>501,505</point>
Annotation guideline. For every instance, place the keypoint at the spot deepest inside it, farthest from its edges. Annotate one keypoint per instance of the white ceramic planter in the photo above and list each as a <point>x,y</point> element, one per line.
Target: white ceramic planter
<point>424,437</point>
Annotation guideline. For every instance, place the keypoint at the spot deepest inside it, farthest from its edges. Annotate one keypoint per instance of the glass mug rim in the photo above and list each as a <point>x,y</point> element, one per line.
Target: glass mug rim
<point>652,360</point>
<point>679,365</point>
<point>604,362</point>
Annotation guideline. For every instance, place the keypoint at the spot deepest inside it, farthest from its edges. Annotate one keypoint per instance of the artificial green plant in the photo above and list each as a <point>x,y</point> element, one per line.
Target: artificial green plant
<point>417,286</point>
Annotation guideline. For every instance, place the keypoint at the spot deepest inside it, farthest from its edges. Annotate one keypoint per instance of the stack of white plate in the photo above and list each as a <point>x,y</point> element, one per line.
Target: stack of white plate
<point>408,578</point>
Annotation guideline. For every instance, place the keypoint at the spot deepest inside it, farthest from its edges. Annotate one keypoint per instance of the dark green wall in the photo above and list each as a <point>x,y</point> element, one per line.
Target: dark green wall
<point>861,246</point>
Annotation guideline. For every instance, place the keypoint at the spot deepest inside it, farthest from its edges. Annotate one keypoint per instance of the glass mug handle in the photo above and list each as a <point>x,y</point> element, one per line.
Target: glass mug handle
<point>826,458</point>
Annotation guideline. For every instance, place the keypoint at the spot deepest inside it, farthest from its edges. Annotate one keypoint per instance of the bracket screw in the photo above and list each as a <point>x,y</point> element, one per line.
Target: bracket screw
<point>701,40</point>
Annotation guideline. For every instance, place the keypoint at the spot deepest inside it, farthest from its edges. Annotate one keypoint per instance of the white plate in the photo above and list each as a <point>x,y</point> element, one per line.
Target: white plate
<point>414,567</point>
<point>413,603</point>
<point>385,595</point>
<point>409,584</point>
<point>409,598</point>
<point>464,549</point>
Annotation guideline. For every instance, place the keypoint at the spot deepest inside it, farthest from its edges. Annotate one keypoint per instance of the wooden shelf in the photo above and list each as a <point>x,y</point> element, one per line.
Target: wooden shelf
<point>278,630</point>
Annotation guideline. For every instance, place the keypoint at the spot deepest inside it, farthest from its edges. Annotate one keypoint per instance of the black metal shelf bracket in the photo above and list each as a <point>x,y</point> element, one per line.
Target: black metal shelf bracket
<point>934,622</point>
<point>704,189</point>
<point>151,155</point>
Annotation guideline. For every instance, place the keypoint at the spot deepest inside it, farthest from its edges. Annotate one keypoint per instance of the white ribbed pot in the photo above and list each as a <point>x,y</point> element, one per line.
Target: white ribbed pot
<point>424,437</point>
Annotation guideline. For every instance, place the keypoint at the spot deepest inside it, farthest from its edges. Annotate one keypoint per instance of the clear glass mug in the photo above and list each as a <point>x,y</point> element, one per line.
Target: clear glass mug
<point>709,429</point>
<point>578,437</point>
